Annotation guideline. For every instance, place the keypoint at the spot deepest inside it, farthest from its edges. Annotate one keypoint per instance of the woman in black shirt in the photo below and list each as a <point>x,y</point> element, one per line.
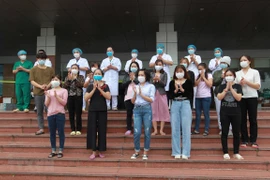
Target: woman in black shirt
<point>230,95</point>
<point>97,92</point>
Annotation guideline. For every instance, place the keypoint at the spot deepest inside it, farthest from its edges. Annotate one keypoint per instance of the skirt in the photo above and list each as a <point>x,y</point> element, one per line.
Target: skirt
<point>160,108</point>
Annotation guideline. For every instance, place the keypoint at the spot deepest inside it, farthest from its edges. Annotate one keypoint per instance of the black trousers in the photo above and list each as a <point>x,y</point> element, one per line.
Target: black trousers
<point>97,122</point>
<point>129,108</point>
<point>249,107</point>
<point>75,107</point>
<point>235,121</point>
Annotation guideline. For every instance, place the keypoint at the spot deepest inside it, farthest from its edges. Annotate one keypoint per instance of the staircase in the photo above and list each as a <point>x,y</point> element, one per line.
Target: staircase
<point>24,155</point>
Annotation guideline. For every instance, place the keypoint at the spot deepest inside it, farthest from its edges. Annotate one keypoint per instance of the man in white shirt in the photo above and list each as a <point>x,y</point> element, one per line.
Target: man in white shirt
<point>83,67</point>
<point>134,55</point>
<point>167,61</point>
<point>48,62</point>
<point>111,67</point>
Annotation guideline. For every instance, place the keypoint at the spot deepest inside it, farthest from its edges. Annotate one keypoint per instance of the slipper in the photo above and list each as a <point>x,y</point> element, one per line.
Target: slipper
<point>52,154</point>
<point>39,132</point>
<point>101,155</point>
<point>92,157</point>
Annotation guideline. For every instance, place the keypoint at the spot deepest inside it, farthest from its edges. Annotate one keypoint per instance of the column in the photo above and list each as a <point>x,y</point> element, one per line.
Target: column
<point>168,37</point>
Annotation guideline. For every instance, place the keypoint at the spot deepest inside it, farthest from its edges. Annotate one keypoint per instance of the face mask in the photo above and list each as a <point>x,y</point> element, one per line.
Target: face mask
<point>223,66</point>
<point>23,57</point>
<point>244,64</point>
<point>97,77</point>
<point>134,55</point>
<point>180,75</point>
<point>76,55</point>
<point>191,51</point>
<point>217,55</point>
<point>41,62</point>
<point>159,51</point>
<point>109,53</point>
<point>158,68</point>
<point>133,69</point>
<point>200,71</point>
<point>141,79</point>
<point>55,84</point>
<point>229,78</point>
<point>184,64</point>
<point>93,69</point>
<point>74,71</point>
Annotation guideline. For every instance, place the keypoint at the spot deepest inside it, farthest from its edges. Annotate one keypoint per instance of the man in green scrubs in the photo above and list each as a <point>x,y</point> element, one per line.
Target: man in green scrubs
<point>22,85</point>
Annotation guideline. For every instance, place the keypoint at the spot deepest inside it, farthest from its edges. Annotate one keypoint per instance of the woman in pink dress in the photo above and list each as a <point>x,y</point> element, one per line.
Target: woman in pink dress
<point>160,108</point>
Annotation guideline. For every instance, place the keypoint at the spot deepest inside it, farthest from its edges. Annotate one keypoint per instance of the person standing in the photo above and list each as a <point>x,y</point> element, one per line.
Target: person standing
<point>159,106</point>
<point>144,95</point>
<point>181,114</point>
<point>214,64</point>
<point>83,67</point>
<point>74,83</point>
<point>250,81</point>
<point>134,55</point>
<point>22,85</point>
<point>48,62</point>
<point>111,67</point>
<point>129,82</point>
<point>89,79</point>
<point>40,78</point>
<point>98,93</point>
<point>167,62</point>
<point>55,101</point>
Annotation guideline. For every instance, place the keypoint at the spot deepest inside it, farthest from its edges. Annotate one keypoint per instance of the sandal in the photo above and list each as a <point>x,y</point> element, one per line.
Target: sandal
<point>52,154</point>
<point>195,132</point>
<point>254,145</point>
<point>205,133</point>
<point>60,155</point>
<point>39,132</point>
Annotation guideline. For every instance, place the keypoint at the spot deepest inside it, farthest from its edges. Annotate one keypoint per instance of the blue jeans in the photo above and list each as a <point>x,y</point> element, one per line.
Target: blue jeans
<point>57,121</point>
<point>202,104</point>
<point>181,119</point>
<point>142,115</point>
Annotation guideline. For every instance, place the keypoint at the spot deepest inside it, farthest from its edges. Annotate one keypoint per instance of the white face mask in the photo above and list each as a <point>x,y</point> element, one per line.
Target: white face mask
<point>134,55</point>
<point>141,79</point>
<point>180,75</point>
<point>74,71</point>
<point>244,64</point>
<point>55,84</point>
<point>229,78</point>
<point>93,69</point>
<point>158,68</point>
<point>76,55</point>
<point>23,57</point>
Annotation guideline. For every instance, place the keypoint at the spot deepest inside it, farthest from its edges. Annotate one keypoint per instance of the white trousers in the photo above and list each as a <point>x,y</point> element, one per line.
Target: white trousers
<point>84,103</point>
<point>114,102</point>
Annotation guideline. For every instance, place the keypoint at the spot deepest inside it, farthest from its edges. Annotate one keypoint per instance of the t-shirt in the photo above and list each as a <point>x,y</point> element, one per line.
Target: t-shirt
<point>204,91</point>
<point>41,76</point>
<point>55,107</point>
<point>98,101</point>
<point>228,104</point>
<point>22,76</point>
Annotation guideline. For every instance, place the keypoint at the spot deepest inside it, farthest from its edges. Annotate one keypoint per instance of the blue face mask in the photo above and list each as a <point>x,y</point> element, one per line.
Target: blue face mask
<point>223,66</point>
<point>133,69</point>
<point>184,64</point>
<point>109,53</point>
<point>97,77</point>
<point>217,55</point>
<point>191,51</point>
<point>41,62</point>
<point>159,51</point>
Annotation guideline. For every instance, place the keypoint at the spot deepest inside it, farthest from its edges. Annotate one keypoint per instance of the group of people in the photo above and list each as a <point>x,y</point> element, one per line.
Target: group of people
<point>147,97</point>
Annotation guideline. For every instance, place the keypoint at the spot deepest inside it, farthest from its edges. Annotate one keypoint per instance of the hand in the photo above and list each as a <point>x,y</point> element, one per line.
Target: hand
<point>159,57</point>
<point>157,78</point>
<point>47,94</point>
<point>230,85</point>
<point>192,58</point>
<point>133,59</point>
<point>131,76</point>
<point>227,86</point>
<point>202,75</point>
<point>222,75</point>
<point>140,91</point>
<point>90,75</point>
<point>243,81</point>
<point>135,90</point>
<point>19,68</point>
<point>95,84</point>
<point>43,86</point>
<point>176,86</point>
<point>55,95</point>
<point>69,76</point>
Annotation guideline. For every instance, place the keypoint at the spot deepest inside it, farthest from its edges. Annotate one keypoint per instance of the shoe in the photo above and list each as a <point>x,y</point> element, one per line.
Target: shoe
<point>195,132</point>
<point>78,133</point>
<point>134,156</point>
<point>145,157</point>
<point>254,145</point>
<point>72,133</point>
<point>226,156</point>
<point>101,155</point>
<point>39,132</point>
<point>92,157</point>
<point>238,156</point>
<point>177,157</point>
<point>16,110</point>
<point>230,133</point>
<point>26,110</point>
<point>108,108</point>
<point>83,109</point>
<point>115,109</point>
<point>220,133</point>
<point>60,155</point>
<point>205,133</point>
<point>127,133</point>
<point>244,145</point>
<point>52,154</point>
<point>184,157</point>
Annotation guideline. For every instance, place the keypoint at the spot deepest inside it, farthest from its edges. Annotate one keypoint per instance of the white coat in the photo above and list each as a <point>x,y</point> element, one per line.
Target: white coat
<point>111,77</point>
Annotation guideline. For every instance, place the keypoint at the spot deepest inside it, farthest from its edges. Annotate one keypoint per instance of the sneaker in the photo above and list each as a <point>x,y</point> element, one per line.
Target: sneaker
<point>108,108</point>
<point>205,133</point>
<point>177,157</point>
<point>72,133</point>
<point>238,156</point>
<point>127,133</point>
<point>78,133</point>
<point>195,132</point>
<point>226,156</point>
<point>220,133</point>
<point>115,109</point>
<point>145,157</point>
<point>16,110</point>
<point>230,133</point>
<point>254,145</point>
<point>26,110</point>
<point>134,156</point>
<point>244,145</point>
<point>184,157</point>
